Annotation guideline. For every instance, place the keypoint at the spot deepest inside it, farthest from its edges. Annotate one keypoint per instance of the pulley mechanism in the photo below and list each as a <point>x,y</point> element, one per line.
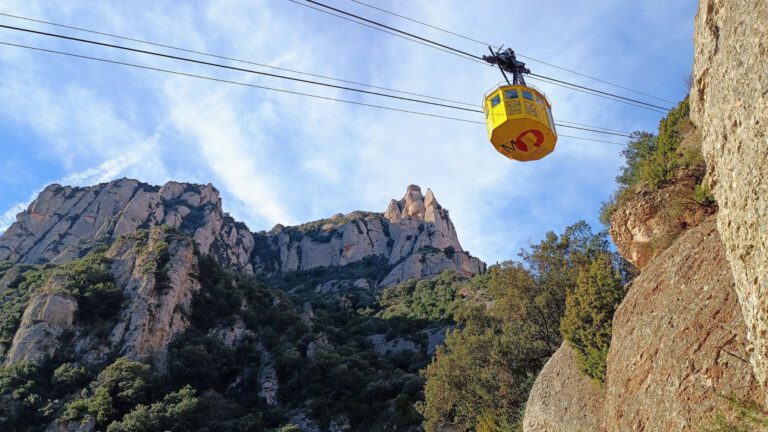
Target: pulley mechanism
<point>507,61</point>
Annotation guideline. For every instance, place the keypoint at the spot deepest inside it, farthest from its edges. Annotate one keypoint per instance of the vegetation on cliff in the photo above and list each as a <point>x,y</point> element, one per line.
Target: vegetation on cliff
<point>589,310</point>
<point>654,161</point>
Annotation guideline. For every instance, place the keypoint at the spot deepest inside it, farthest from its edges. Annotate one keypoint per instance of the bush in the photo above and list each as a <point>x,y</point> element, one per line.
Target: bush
<point>434,299</point>
<point>117,389</point>
<point>70,375</point>
<point>586,324</point>
<point>652,160</point>
<point>89,279</point>
<point>702,195</point>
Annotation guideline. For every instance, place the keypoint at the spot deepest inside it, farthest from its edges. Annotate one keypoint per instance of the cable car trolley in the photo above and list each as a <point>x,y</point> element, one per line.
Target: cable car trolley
<point>518,116</point>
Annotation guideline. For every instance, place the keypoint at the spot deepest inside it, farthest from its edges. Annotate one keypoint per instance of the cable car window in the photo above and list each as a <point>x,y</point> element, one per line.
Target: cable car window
<point>495,100</point>
<point>510,94</point>
<point>538,99</point>
<point>527,95</point>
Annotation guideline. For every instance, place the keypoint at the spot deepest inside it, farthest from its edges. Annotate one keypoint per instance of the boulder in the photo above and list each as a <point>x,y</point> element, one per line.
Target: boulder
<point>48,315</point>
<point>563,399</point>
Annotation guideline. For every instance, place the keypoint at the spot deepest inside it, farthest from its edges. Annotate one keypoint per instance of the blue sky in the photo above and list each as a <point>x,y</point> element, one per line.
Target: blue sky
<point>280,158</point>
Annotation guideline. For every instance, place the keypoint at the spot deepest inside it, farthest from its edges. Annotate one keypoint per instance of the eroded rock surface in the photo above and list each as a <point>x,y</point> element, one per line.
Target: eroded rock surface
<point>678,341</point>
<point>64,222</point>
<point>563,399</point>
<point>415,236</point>
<point>729,102</point>
<point>154,310</point>
<point>48,315</point>
<point>645,223</point>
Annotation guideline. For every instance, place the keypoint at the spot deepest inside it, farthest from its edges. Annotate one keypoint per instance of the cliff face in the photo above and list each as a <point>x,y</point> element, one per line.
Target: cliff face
<point>729,103</point>
<point>691,331</point>
<point>156,275</point>
<point>678,341</point>
<point>415,236</point>
<point>65,221</point>
<point>678,349</point>
<point>647,222</point>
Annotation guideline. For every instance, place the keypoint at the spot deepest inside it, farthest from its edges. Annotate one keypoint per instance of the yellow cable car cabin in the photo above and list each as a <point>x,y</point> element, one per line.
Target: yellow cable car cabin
<point>518,116</point>
<point>519,122</point>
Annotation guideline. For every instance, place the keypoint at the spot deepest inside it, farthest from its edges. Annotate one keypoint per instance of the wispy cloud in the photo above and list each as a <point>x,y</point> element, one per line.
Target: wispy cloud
<point>104,172</point>
<point>285,158</point>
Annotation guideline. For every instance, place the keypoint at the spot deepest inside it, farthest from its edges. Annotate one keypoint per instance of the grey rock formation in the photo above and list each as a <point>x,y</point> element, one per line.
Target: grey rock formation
<point>63,222</point>
<point>268,380</point>
<point>153,313</point>
<point>563,399</point>
<point>395,346</point>
<point>48,315</point>
<point>729,103</point>
<point>415,235</point>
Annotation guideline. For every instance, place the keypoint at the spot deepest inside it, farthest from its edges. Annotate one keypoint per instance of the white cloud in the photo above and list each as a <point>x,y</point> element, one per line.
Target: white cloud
<point>285,158</point>
<point>104,172</point>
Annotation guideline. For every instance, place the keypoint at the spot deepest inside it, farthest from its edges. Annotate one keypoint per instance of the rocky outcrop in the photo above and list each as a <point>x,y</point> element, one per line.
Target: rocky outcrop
<point>157,301</point>
<point>391,347</point>
<point>729,103</point>
<point>48,315</point>
<point>563,399</point>
<point>678,351</point>
<point>644,223</point>
<point>678,343</point>
<point>415,235</point>
<point>155,310</point>
<point>64,222</point>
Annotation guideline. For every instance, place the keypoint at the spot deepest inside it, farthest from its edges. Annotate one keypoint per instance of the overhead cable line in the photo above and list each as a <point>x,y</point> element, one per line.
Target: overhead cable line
<point>267,65</point>
<point>203,53</point>
<point>518,54</point>
<point>475,110</point>
<point>186,74</point>
<point>235,68</point>
<point>477,58</point>
<point>471,58</point>
<point>244,84</point>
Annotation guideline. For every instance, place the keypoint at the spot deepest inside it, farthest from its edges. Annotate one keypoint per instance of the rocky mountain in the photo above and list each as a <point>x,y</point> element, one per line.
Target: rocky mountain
<point>158,286</point>
<point>415,236</point>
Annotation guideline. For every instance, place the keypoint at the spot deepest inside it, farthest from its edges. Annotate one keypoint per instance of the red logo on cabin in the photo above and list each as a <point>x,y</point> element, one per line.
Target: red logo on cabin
<point>533,137</point>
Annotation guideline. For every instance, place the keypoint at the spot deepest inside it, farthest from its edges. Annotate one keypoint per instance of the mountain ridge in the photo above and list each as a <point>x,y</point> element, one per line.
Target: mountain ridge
<point>414,235</point>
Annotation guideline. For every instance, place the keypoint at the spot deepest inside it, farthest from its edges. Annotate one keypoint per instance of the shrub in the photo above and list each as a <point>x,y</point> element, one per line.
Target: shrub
<point>89,279</point>
<point>586,324</point>
<point>117,389</point>
<point>69,375</point>
<point>702,195</point>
